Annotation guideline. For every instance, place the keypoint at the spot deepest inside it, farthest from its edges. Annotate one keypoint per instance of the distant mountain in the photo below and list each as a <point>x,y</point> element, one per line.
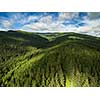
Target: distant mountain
<point>51,60</point>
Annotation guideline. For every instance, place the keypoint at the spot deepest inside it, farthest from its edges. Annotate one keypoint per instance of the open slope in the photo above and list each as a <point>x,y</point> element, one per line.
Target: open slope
<point>57,59</point>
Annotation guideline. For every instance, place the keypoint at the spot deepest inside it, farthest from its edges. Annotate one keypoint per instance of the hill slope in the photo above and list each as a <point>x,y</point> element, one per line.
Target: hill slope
<point>67,59</point>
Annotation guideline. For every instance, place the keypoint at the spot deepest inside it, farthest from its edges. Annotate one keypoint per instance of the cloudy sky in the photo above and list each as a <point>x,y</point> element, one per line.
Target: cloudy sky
<point>81,22</point>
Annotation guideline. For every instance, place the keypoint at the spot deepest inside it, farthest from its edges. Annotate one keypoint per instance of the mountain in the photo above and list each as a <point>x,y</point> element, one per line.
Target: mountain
<point>50,59</point>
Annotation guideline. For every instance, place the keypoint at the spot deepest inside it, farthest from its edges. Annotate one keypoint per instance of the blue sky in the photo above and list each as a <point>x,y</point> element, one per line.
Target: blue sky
<point>81,22</point>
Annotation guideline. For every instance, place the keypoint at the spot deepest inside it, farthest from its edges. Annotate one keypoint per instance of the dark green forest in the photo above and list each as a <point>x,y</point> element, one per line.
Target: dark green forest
<point>49,59</point>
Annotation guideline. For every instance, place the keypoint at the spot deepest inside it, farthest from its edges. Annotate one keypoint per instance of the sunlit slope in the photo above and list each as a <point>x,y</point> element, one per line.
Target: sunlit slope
<point>67,59</point>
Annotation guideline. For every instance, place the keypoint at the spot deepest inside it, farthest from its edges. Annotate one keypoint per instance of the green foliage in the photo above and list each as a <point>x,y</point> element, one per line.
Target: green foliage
<point>66,59</point>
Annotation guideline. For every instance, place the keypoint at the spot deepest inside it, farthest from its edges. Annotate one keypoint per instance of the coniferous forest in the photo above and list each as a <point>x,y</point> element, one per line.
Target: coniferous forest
<point>49,60</point>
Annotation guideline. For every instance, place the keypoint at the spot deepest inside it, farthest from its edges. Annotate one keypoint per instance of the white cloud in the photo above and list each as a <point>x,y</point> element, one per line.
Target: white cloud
<point>6,24</point>
<point>67,15</point>
<point>46,19</point>
<point>18,19</point>
<point>46,24</point>
<point>92,27</point>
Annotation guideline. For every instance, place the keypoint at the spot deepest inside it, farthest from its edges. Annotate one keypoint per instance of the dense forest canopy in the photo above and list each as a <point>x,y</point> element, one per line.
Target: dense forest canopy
<point>53,60</point>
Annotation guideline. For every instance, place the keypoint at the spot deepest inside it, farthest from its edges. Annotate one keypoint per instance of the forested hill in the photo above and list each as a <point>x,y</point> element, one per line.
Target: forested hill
<point>49,59</point>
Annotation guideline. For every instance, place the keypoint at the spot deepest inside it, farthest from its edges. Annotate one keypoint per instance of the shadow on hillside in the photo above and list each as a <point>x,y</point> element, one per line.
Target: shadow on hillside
<point>24,39</point>
<point>35,40</point>
<point>86,40</point>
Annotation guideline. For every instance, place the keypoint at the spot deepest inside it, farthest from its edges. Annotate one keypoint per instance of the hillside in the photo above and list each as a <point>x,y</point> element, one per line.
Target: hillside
<point>51,60</point>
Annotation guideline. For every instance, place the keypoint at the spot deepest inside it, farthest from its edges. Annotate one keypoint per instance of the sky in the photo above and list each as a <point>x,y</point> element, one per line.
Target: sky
<point>79,22</point>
